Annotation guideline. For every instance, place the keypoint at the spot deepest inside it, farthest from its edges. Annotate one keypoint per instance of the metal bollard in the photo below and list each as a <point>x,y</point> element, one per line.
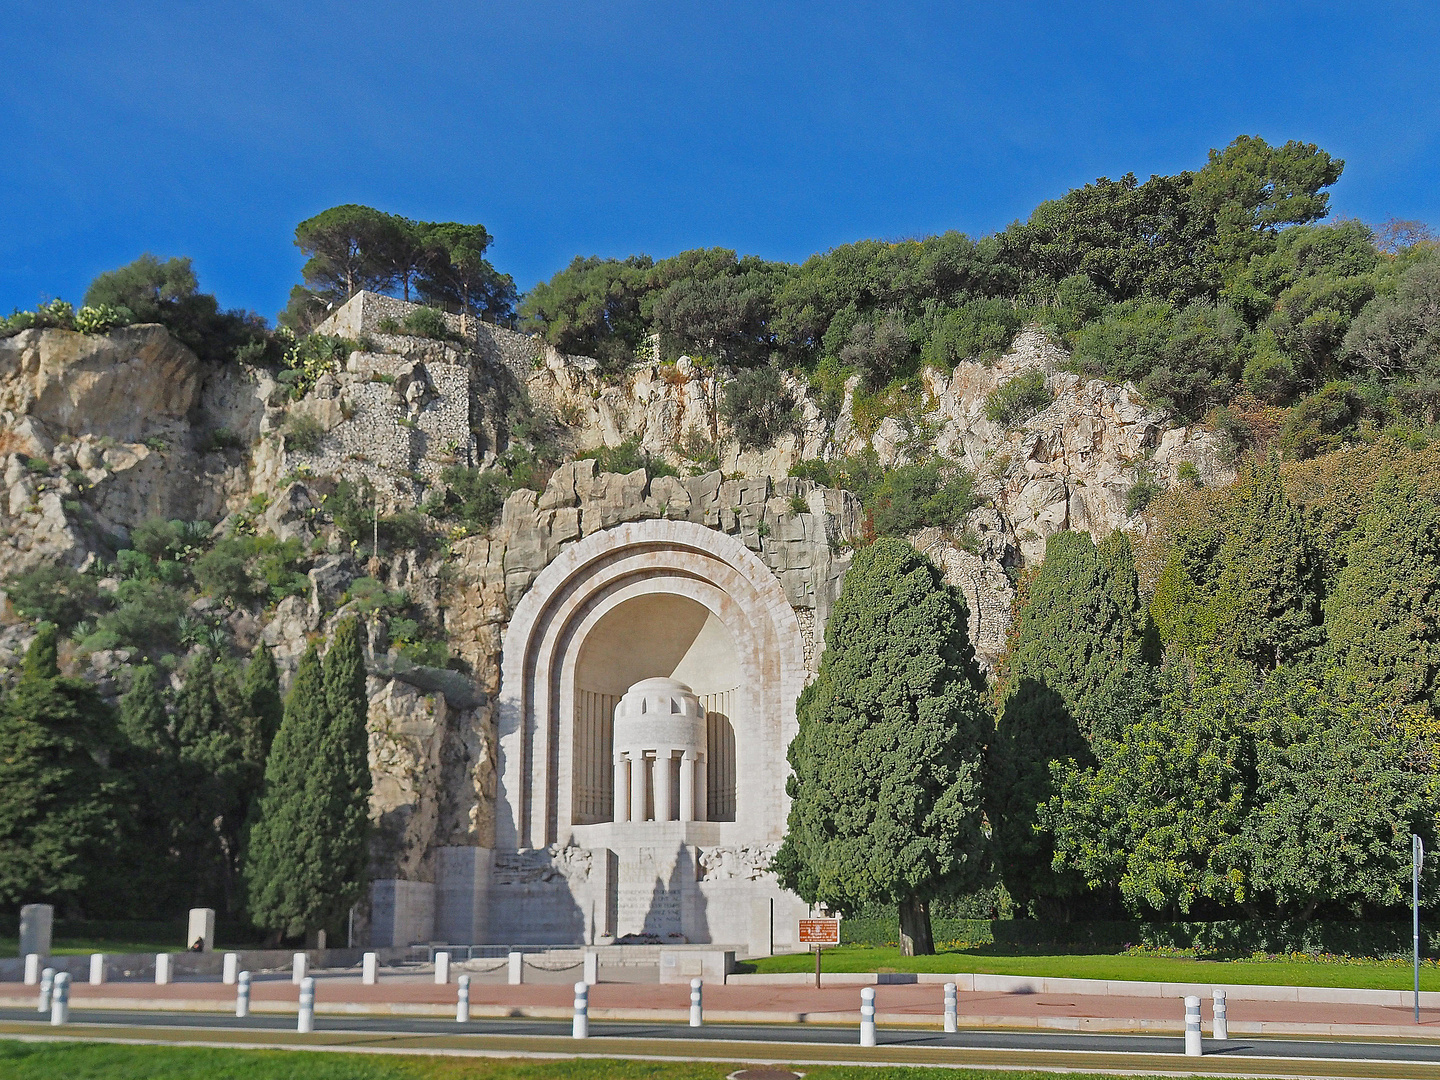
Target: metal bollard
<point>242,994</point>
<point>442,968</point>
<point>462,999</point>
<point>306,1020</point>
<point>867,1016</point>
<point>580,1029</point>
<point>97,968</point>
<point>369,968</point>
<point>47,987</point>
<point>697,1014</point>
<point>1192,1026</point>
<point>952,1007</point>
<point>1222,1022</point>
<point>60,1001</point>
<point>163,968</point>
<point>300,964</point>
<point>231,965</point>
<point>32,968</point>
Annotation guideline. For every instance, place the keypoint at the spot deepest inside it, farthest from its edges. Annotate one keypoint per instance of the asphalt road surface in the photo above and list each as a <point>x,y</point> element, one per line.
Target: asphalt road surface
<point>791,1035</point>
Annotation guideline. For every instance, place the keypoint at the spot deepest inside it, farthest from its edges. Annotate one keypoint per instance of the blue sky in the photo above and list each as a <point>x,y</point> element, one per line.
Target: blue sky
<point>778,129</point>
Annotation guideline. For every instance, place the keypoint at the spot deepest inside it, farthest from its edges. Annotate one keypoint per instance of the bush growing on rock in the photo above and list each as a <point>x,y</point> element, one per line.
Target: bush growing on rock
<point>1016,400</point>
<point>927,493</point>
<point>53,593</point>
<point>758,407</point>
<point>627,457</point>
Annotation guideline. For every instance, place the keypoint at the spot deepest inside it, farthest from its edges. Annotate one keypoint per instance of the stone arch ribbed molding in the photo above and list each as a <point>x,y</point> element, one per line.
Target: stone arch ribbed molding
<point>548,629</point>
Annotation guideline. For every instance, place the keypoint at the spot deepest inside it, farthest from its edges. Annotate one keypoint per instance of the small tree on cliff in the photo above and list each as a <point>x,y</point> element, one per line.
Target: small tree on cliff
<point>886,785</point>
<point>306,860</point>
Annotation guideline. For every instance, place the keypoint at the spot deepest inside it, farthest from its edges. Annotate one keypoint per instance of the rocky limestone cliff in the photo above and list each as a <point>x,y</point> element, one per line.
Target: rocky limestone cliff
<point>101,432</point>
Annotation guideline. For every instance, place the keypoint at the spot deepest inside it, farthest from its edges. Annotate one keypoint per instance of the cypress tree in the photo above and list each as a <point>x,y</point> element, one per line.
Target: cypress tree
<point>284,883</point>
<point>155,814</point>
<point>1081,640</point>
<point>340,791</point>
<point>262,700</point>
<point>886,785</point>
<point>1383,615</point>
<point>56,800</point>
<point>309,844</point>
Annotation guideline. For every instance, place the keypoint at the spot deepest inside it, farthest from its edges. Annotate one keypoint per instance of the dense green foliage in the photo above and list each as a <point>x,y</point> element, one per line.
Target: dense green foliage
<point>758,407</point>
<point>886,763</point>
<point>1016,400</point>
<point>353,247</point>
<point>305,865</point>
<point>57,817</point>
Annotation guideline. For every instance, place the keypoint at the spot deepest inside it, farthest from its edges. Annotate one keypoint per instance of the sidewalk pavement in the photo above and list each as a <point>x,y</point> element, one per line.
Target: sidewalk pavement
<point>913,1004</point>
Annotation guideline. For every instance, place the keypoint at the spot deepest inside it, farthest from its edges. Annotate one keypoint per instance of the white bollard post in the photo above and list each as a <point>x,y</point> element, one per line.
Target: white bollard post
<point>47,987</point>
<point>1222,1022</point>
<point>242,994</point>
<point>580,1029</point>
<point>164,968</point>
<point>517,968</point>
<point>1192,1026</point>
<point>867,1016</point>
<point>442,968</point>
<point>306,1020</point>
<point>369,968</point>
<point>697,1015</point>
<point>32,968</point>
<point>299,968</point>
<point>97,968</point>
<point>592,968</point>
<point>60,1002</point>
<point>462,999</point>
<point>231,966</point>
<point>952,1007</point>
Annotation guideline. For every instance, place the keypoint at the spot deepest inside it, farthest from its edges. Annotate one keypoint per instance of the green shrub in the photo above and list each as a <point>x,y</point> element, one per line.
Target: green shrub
<point>757,407</point>
<point>627,457</point>
<point>881,352</point>
<point>799,504</point>
<point>173,539</point>
<point>1321,421</point>
<point>813,469</point>
<point>1188,473</point>
<point>56,594</point>
<point>1142,493</point>
<point>303,433</point>
<point>223,439</point>
<point>371,596</point>
<point>427,322</point>
<point>474,497</point>
<point>243,569</point>
<point>1016,400</point>
<point>977,330</point>
<point>146,615</point>
<point>310,357</point>
<point>927,493</point>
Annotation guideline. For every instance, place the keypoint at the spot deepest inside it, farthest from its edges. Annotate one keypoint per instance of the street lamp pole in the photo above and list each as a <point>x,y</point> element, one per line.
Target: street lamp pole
<point>1417,858</point>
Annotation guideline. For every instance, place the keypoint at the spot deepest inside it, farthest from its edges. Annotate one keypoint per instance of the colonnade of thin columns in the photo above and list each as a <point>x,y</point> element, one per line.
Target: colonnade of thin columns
<point>630,787</point>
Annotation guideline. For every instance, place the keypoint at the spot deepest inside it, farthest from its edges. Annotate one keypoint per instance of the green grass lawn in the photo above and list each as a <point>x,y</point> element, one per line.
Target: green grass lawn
<point>1362,974</point>
<point>79,946</point>
<point>101,1061</point>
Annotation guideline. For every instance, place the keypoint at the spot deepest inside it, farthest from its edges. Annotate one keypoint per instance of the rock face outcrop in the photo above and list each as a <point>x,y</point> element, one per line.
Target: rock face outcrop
<point>101,432</point>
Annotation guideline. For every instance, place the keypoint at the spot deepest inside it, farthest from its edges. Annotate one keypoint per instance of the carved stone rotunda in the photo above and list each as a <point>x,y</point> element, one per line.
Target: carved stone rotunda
<point>648,686</point>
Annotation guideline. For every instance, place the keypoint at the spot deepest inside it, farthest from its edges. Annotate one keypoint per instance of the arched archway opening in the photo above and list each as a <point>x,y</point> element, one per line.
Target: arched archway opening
<point>654,635</point>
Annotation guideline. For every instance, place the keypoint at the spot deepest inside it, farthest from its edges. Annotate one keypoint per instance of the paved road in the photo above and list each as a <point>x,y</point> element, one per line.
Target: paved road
<point>791,1036</point>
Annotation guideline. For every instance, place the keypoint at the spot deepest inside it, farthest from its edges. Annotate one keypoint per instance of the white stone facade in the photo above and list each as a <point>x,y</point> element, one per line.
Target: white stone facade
<point>651,668</point>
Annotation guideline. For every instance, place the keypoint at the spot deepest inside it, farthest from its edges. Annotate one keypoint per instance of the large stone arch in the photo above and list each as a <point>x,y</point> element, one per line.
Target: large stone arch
<point>547,635</point>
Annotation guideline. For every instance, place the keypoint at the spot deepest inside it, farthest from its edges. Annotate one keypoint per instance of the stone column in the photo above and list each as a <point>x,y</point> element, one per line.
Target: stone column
<point>702,789</point>
<point>637,787</point>
<point>622,789</point>
<point>687,786</point>
<point>664,781</point>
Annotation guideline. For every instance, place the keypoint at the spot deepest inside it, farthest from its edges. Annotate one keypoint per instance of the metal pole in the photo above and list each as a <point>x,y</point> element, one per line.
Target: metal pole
<point>952,1007</point>
<point>47,986</point>
<point>305,1021</point>
<point>1417,857</point>
<point>60,1001</point>
<point>242,994</point>
<point>867,1016</point>
<point>817,965</point>
<point>697,1016</point>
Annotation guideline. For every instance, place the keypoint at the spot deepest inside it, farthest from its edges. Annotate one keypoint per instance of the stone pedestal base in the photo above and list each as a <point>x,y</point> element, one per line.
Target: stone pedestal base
<point>401,912</point>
